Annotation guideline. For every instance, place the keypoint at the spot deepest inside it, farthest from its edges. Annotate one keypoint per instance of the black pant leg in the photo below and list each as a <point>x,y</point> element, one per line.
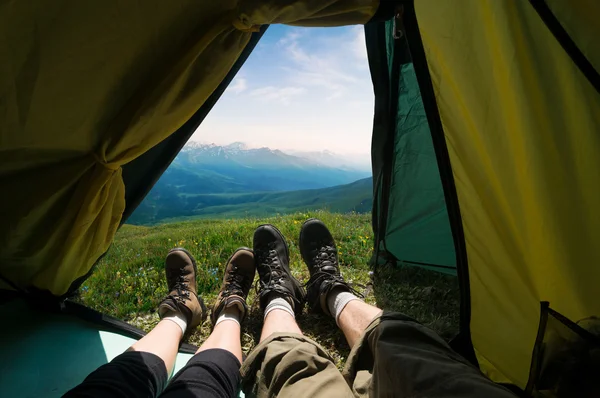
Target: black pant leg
<point>132,374</point>
<point>210,373</point>
<point>398,357</point>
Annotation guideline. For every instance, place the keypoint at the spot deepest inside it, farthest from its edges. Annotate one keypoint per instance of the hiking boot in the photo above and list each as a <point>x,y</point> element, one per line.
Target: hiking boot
<point>237,280</point>
<point>273,265</point>
<point>319,252</point>
<point>180,269</point>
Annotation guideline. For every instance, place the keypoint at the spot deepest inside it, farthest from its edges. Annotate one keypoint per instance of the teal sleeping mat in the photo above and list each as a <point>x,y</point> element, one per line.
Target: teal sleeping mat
<point>44,354</point>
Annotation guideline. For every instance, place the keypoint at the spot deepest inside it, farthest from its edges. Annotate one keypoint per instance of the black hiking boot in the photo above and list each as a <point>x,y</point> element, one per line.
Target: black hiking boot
<point>273,265</point>
<point>180,270</point>
<point>237,280</point>
<point>319,252</point>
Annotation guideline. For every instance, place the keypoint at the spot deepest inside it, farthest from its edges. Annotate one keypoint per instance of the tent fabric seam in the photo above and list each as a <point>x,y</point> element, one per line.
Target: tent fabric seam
<point>376,55</point>
<point>566,42</point>
<point>388,155</point>
<point>533,370</point>
<point>441,151</point>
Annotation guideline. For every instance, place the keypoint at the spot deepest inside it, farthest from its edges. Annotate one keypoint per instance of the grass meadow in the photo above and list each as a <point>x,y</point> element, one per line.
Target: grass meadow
<point>129,283</point>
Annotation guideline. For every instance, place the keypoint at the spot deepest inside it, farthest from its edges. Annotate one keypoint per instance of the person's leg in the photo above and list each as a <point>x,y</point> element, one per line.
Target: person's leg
<point>226,335</point>
<point>397,356</point>
<point>214,371</point>
<point>328,292</point>
<point>143,370</point>
<point>392,355</point>
<point>279,321</point>
<point>285,363</point>
<point>162,341</point>
<point>281,295</point>
<point>354,319</point>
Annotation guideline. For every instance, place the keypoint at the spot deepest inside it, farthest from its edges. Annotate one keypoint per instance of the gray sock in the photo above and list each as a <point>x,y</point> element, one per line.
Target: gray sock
<point>337,300</point>
<point>229,314</point>
<point>279,303</point>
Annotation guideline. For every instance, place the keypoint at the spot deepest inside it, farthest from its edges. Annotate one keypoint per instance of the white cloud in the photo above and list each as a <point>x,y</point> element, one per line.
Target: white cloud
<point>280,94</point>
<point>359,45</point>
<point>289,38</point>
<point>238,85</point>
<point>307,88</point>
<point>334,67</point>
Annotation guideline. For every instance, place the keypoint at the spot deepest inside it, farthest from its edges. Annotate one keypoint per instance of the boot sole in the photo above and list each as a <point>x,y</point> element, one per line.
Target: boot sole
<point>237,250</point>
<point>200,300</point>
<point>288,270</point>
<point>287,249</point>
<point>301,239</point>
<point>187,253</point>
<point>228,261</point>
<point>319,308</point>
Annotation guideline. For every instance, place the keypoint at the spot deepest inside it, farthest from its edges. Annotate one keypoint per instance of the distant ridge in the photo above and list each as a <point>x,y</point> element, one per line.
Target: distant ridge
<point>240,173</point>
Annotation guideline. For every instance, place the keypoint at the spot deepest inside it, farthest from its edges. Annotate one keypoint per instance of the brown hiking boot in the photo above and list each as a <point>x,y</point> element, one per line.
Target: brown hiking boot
<point>180,269</point>
<point>237,280</point>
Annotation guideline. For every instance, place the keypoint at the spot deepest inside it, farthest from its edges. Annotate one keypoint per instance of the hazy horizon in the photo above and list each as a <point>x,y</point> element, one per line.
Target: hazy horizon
<point>287,150</point>
<point>302,89</point>
<point>358,161</point>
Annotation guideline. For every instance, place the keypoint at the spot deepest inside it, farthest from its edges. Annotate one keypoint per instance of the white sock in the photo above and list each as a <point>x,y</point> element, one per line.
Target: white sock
<point>337,300</point>
<point>179,320</point>
<point>229,314</point>
<point>279,303</point>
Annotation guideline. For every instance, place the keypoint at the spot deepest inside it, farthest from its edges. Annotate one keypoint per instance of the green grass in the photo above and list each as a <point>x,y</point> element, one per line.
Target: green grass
<point>129,281</point>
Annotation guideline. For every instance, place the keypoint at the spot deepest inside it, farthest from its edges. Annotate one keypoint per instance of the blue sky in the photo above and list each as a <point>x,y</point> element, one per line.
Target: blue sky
<point>302,89</point>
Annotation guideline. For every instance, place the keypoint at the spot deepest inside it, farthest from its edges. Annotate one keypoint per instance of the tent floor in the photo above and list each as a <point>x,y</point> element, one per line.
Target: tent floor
<point>46,354</point>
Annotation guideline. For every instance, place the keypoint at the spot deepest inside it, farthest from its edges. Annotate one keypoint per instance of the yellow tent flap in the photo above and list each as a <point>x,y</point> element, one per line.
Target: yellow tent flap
<point>521,123</point>
<point>86,87</point>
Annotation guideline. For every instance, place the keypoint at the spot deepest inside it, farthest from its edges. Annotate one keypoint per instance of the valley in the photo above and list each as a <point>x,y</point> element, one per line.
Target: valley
<point>235,181</point>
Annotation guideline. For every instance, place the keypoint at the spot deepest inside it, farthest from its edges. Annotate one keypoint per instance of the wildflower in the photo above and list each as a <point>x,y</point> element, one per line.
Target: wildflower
<point>118,274</point>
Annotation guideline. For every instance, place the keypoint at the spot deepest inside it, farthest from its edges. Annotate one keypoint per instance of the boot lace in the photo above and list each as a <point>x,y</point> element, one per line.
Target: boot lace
<point>268,256</point>
<point>234,283</point>
<point>276,276</point>
<point>326,256</point>
<point>180,288</point>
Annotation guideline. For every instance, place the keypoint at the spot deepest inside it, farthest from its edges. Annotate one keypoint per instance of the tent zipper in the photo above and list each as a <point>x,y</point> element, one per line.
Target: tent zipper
<point>386,178</point>
<point>399,23</point>
<point>463,342</point>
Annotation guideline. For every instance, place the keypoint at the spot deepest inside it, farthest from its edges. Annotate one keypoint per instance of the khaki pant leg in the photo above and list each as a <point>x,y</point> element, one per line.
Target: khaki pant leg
<point>291,365</point>
<point>398,357</point>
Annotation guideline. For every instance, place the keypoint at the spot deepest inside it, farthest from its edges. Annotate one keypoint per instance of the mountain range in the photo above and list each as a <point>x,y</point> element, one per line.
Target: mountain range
<point>232,180</point>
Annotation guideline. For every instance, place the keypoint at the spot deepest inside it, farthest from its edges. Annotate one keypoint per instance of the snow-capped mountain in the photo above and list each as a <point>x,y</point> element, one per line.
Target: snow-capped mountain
<point>213,149</point>
<point>210,168</point>
<point>357,162</point>
<point>241,152</point>
<point>208,175</point>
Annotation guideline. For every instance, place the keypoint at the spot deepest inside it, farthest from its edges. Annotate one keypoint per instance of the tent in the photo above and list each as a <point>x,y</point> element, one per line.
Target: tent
<point>485,154</point>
